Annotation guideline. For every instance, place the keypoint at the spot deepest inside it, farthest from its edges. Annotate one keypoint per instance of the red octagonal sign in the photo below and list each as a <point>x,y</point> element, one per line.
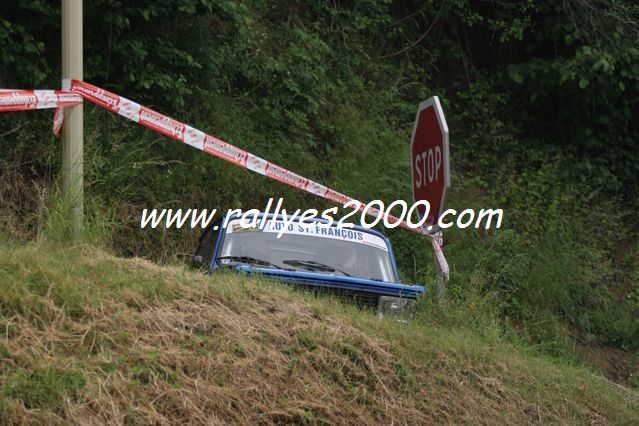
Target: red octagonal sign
<point>430,161</point>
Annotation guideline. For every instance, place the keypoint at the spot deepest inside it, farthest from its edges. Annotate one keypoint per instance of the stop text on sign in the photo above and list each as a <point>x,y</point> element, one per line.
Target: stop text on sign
<point>427,166</point>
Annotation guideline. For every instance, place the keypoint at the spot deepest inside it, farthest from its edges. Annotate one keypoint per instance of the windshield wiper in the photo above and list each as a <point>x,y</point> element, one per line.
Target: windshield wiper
<point>249,259</point>
<point>313,266</point>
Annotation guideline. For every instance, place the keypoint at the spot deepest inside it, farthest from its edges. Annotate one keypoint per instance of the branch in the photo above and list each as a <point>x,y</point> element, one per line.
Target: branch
<point>20,126</point>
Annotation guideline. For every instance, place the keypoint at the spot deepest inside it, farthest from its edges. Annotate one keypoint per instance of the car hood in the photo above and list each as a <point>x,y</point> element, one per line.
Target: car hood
<point>332,281</point>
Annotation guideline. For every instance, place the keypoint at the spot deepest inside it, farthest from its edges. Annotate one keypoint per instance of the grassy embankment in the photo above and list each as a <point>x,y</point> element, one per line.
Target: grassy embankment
<point>87,337</point>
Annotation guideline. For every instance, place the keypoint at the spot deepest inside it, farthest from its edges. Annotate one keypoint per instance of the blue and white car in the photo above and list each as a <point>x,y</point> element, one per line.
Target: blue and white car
<point>354,263</point>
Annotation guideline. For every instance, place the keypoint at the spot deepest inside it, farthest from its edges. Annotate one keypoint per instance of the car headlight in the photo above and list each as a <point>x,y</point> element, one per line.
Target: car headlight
<point>396,308</point>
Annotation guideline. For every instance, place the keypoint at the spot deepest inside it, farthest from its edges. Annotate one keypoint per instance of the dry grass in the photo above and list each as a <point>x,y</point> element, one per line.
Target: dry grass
<point>22,193</point>
<point>91,339</point>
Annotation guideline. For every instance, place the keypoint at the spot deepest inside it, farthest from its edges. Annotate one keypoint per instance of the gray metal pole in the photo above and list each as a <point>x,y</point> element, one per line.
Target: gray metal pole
<point>440,286</point>
<point>72,129</point>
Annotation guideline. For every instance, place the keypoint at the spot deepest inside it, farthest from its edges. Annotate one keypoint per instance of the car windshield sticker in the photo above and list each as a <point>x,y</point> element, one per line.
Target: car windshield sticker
<point>312,230</point>
<point>236,226</point>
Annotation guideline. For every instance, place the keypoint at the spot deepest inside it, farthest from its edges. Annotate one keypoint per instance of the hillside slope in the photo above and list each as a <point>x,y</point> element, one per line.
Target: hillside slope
<point>90,338</point>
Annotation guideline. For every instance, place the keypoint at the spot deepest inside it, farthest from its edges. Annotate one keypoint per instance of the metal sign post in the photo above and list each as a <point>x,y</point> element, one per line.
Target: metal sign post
<point>440,274</point>
<point>72,128</point>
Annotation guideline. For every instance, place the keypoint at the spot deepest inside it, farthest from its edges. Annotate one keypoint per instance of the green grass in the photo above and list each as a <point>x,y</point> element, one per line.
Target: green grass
<point>43,387</point>
<point>85,335</point>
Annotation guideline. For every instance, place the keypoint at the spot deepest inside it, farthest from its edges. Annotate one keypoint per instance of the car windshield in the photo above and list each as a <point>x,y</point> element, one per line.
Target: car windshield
<point>315,248</point>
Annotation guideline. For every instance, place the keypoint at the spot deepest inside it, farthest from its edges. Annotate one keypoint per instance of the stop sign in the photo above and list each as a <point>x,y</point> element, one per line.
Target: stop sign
<point>430,161</point>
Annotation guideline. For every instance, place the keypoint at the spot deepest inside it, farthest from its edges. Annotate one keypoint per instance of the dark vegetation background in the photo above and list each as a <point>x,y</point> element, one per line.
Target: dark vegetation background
<point>542,99</point>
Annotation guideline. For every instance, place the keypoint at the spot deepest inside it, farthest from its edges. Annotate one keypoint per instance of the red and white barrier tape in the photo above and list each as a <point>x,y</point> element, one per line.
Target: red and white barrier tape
<point>23,100</point>
<point>20,100</point>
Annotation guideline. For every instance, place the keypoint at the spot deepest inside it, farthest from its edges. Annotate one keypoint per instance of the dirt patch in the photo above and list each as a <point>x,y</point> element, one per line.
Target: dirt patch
<point>614,363</point>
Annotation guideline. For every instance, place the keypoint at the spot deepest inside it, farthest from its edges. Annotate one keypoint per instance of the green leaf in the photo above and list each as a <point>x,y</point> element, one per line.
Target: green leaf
<point>30,48</point>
